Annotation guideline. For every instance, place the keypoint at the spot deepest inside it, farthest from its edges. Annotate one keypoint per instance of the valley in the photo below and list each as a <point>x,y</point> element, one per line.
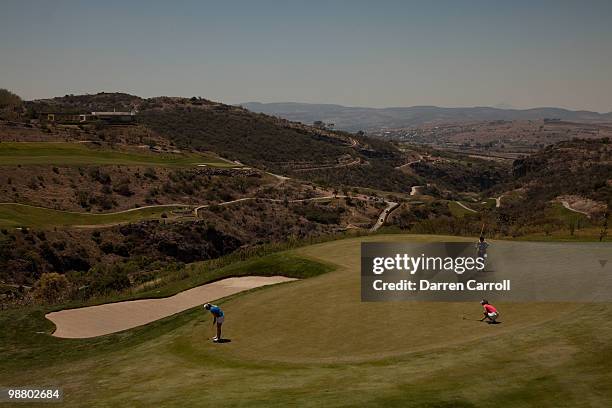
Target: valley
<point>191,180</point>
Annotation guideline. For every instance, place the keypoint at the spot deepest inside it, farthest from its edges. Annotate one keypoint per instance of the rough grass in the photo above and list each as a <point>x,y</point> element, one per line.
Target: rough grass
<point>21,215</point>
<point>282,263</point>
<point>63,153</point>
<point>491,203</point>
<point>558,211</point>
<point>542,355</point>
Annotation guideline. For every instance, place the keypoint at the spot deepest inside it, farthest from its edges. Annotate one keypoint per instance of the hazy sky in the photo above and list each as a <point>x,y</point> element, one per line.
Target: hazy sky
<point>361,53</point>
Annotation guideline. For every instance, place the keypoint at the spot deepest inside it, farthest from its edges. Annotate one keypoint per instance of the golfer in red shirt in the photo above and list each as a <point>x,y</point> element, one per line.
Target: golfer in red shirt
<point>490,312</point>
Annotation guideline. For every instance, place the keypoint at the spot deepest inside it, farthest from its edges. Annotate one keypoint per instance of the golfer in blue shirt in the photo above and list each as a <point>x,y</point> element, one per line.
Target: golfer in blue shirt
<point>218,318</point>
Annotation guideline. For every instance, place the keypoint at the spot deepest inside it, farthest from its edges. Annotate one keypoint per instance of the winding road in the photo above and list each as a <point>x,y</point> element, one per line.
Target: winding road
<point>379,222</point>
<point>383,215</point>
<point>410,163</point>
<point>331,166</point>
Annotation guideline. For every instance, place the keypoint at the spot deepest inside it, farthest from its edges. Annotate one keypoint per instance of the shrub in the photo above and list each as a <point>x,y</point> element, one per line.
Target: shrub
<point>109,278</point>
<point>123,188</point>
<point>150,173</point>
<point>51,288</point>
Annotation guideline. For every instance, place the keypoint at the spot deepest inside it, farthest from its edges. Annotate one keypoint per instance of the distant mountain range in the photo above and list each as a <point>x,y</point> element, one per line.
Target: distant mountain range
<point>358,118</point>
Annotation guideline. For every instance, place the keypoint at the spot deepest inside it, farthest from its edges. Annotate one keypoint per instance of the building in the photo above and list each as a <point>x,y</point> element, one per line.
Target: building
<point>109,118</point>
<point>115,118</point>
<point>63,117</point>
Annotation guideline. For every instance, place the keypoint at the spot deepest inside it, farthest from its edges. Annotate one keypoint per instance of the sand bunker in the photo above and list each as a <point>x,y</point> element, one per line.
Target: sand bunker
<point>113,317</point>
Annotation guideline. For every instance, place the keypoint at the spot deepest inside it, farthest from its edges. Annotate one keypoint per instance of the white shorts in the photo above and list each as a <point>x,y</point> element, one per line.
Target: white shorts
<point>220,319</point>
<point>493,315</point>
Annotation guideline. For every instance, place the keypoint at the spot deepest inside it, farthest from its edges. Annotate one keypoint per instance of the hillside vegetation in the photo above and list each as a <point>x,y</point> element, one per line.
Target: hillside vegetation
<point>277,146</point>
<point>579,166</point>
<point>254,139</point>
<point>155,163</point>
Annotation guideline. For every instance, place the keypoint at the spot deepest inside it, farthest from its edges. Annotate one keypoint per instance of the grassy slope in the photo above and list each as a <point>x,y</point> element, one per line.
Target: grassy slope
<point>60,153</point>
<point>21,215</point>
<point>585,229</point>
<point>540,356</point>
<point>558,211</point>
<point>457,210</point>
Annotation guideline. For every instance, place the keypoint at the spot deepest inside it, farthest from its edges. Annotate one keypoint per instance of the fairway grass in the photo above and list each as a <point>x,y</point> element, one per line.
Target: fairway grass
<point>64,153</point>
<point>21,215</point>
<point>312,343</point>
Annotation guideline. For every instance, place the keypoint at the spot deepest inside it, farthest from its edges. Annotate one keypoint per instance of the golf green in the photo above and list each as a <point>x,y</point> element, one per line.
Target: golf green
<point>323,319</point>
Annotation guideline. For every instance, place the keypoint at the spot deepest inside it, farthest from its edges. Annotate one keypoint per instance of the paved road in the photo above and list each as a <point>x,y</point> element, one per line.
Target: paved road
<point>278,200</point>
<point>196,208</point>
<point>379,222</point>
<point>383,215</point>
<point>410,162</point>
<point>281,178</point>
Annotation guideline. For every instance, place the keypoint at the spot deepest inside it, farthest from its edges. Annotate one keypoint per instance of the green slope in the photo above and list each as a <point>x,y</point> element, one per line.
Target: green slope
<point>60,153</point>
<point>20,215</point>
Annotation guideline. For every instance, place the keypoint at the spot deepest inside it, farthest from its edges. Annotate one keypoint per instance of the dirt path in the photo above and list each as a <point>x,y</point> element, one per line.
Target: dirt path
<point>109,318</point>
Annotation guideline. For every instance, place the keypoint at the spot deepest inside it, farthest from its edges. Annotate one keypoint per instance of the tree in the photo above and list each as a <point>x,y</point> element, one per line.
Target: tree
<point>603,233</point>
<point>571,225</point>
<point>10,105</point>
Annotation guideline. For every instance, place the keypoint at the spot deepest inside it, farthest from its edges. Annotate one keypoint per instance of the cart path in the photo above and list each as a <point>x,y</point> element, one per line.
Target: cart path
<point>110,318</point>
<point>383,215</point>
<point>465,206</point>
<point>567,206</point>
